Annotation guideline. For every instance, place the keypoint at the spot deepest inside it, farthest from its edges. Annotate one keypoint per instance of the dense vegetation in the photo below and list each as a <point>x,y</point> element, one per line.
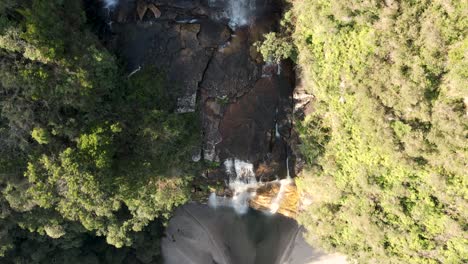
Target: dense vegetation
<point>387,141</point>
<point>89,157</point>
<point>85,152</point>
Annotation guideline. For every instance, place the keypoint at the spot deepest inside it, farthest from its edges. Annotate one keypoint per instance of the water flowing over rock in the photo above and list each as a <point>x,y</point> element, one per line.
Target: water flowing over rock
<point>271,197</point>
<point>210,65</point>
<point>206,50</point>
<point>239,12</point>
<point>242,183</point>
<point>110,3</point>
<point>277,197</point>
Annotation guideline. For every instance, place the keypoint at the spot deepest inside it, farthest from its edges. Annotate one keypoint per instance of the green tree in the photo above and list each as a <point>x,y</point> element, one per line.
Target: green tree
<point>103,155</point>
<point>275,48</point>
<point>40,135</point>
<point>386,145</point>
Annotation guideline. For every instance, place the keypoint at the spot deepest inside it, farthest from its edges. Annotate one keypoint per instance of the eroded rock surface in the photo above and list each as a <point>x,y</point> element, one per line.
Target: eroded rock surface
<point>248,123</point>
<point>211,65</point>
<point>287,206</point>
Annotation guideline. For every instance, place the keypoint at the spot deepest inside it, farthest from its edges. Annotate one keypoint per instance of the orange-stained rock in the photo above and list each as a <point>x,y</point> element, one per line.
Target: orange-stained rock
<point>266,194</point>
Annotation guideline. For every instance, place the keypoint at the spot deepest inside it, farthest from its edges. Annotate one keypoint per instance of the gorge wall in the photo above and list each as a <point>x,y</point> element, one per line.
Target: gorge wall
<point>206,49</point>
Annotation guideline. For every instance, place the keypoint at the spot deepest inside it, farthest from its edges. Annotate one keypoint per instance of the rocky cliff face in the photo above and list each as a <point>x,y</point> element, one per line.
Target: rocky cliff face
<point>207,51</point>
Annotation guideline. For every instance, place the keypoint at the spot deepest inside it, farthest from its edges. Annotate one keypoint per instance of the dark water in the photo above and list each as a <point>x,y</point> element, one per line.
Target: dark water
<point>200,234</point>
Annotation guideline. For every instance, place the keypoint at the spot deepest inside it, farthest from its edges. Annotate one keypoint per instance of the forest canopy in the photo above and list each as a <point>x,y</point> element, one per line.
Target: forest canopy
<point>93,161</point>
<point>85,151</point>
<point>386,144</point>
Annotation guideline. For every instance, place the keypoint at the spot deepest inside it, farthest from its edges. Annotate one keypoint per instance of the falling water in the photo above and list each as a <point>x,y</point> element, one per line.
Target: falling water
<point>243,184</point>
<point>134,71</point>
<point>213,200</point>
<point>187,21</point>
<point>110,3</point>
<point>239,12</point>
<point>109,6</point>
<point>277,134</point>
<point>275,204</point>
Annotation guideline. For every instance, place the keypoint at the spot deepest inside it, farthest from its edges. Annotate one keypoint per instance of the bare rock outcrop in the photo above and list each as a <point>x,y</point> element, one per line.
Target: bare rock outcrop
<point>211,66</point>
<point>144,7</point>
<point>265,196</point>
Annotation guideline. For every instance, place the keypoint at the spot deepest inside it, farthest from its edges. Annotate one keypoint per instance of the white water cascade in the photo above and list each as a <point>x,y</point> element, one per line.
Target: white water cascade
<point>243,184</point>
<point>275,204</point>
<point>109,6</point>
<point>110,3</point>
<point>277,133</point>
<point>239,12</point>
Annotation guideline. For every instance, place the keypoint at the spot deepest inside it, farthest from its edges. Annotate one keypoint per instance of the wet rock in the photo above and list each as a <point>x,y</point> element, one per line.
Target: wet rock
<point>208,64</point>
<point>182,4</point>
<point>213,108</point>
<point>174,49</point>
<point>123,13</point>
<point>231,71</point>
<point>211,118</point>
<point>269,69</point>
<point>247,121</point>
<point>213,34</point>
<point>266,194</point>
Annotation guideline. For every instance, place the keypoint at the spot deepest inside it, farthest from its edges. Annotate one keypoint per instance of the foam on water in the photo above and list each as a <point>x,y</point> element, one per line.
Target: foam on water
<point>239,12</point>
<point>242,183</point>
<point>213,200</point>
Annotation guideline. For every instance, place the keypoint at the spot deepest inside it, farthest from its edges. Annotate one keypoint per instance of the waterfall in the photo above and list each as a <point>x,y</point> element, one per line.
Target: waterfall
<point>277,133</point>
<point>239,12</point>
<point>109,6</point>
<point>275,204</point>
<point>134,71</point>
<point>110,3</point>
<point>213,200</point>
<point>243,184</point>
